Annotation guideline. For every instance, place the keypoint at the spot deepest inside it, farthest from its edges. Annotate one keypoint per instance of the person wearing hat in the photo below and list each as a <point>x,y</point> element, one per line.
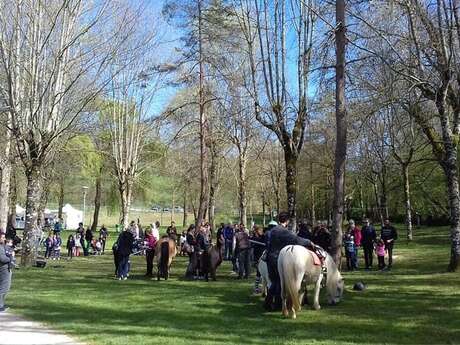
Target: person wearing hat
<point>6,273</point>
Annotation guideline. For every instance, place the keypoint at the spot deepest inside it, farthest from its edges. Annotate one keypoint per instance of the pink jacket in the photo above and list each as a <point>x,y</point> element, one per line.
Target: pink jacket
<point>151,241</point>
<point>380,250</point>
<point>357,235</point>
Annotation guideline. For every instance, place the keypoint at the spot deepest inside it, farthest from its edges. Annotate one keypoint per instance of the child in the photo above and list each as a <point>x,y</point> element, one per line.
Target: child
<point>77,244</point>
<point>380,251</point>
<point>57,247</point>
<point>9,251</point>
<point>49,245</point>
<point>98,247</point>
<point>349,243</point>
<point>182,241</point>
<point>70,247</point>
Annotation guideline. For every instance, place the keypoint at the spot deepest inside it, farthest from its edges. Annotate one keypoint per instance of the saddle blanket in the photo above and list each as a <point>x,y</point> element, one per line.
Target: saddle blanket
<point>316,259</point>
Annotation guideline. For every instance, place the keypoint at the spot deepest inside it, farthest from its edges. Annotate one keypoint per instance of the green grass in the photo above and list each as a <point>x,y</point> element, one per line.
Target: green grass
<point>416,303</point>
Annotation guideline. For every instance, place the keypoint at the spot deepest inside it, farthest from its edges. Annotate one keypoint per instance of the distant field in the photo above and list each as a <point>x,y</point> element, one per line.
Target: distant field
<point>416,303</point>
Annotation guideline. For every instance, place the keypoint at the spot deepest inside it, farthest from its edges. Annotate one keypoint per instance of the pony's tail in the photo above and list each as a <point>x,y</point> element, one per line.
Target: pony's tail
<point>164,257</point>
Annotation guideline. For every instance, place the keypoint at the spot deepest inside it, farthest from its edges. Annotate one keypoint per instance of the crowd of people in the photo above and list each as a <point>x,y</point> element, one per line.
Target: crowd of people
<point>236,243</point>
<point>81,243</point>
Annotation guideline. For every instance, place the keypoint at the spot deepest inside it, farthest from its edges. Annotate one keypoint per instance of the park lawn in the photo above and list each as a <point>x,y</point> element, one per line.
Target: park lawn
<point>415,303</point>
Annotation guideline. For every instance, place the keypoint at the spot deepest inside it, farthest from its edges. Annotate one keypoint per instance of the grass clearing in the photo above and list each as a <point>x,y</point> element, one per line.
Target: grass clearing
<point>415,303</point>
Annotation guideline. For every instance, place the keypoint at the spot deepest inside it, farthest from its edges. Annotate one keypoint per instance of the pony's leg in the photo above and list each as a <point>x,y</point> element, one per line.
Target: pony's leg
<point>316,305</point>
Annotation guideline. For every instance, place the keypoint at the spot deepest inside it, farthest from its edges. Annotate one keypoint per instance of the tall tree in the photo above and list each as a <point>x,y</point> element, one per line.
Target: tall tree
<point>341,128</point>
<point>268,27</point>
<point>427,59</point>
<point>53,55</point>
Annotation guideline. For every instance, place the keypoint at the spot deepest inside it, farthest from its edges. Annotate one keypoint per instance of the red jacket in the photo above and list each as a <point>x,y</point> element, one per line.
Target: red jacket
<point>357,235</point>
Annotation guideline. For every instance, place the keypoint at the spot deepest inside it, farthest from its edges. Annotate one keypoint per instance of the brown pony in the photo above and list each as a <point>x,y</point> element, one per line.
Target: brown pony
<point>210,260</point>
<point>165,252</point>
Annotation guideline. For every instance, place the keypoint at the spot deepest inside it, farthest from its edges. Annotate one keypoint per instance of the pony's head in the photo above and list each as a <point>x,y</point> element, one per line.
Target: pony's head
<point>334,282</point>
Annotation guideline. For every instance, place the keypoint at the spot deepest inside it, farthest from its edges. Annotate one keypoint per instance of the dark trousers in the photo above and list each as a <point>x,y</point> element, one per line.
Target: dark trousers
<point>123,267</point>
<point>389,249</point>
<point>149,255</point>
<point>244,263</point>
<point>368,255</point>
<point>275,287</point>
<point>228,244</point>
<point>48,252</point>
<point>192,265</point>
<point>350,260</point>
<point>103,245</point>
<point>70,253</point>
<point>381,262</point>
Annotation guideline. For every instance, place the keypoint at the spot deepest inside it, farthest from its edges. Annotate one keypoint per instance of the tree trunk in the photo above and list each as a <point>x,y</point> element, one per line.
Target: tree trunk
<point>213,187</point>
<point>242,189</point>
<point>204,195</point>
<point>61,197</point>
<point>405,169</point>
<point>379,213</point>
<point>5,183</point>
<point>341,140</point>
<point>450,167</point>
<point>184,219</point>
<point>43,202</point>
<point>97,202</point>
<point>13,194</point>
<point>125,195</point>
<point>291,186</point>
<point>312,197</point>
<point>29,246</point>
<point>263,210</point>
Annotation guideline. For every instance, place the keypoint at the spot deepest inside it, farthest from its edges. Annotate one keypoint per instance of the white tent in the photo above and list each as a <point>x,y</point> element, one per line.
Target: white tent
<point>20,217</point>
<point>72,217</point>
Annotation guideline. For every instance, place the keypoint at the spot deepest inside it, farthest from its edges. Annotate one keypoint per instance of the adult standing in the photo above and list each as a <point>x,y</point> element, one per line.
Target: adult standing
<point>150,242</point>
<point>228,241</point>
<point>58,226</point>
<point>258,246</point>
<point>190,246</point>
<point>6,273</point>
<point>201,248</point>
<point>134,229</point>
<point>323,238</point>
<point>369,236</point>
<point>389,235</point>
<point>124,249</point>
<point>103,235</point>
<point>242,247</point>
<point>89,240</point>
<point>171,231</point>
<point>355,231</point>
<point>304,231</point>
<point>155,231</point>
<point>280,237</point>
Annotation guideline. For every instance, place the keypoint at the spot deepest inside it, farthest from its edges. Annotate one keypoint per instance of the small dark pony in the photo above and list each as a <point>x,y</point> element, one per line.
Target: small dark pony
<point>165,251</point>
<point>210,260</point>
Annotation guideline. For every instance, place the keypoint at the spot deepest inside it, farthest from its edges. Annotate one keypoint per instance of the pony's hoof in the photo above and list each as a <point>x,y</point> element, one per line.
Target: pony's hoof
<point>293,316</point>
<point>317,307</point>
<point>285,313</point>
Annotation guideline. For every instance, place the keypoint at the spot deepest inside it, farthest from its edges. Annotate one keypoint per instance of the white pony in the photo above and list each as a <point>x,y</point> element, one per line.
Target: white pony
<point>297,270</point>
<point>264,278</point>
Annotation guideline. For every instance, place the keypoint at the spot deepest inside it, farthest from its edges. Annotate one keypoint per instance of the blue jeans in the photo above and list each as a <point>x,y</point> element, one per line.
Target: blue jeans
<point>228,249</point>
<point>355,258</point>
<point>123,267</point>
